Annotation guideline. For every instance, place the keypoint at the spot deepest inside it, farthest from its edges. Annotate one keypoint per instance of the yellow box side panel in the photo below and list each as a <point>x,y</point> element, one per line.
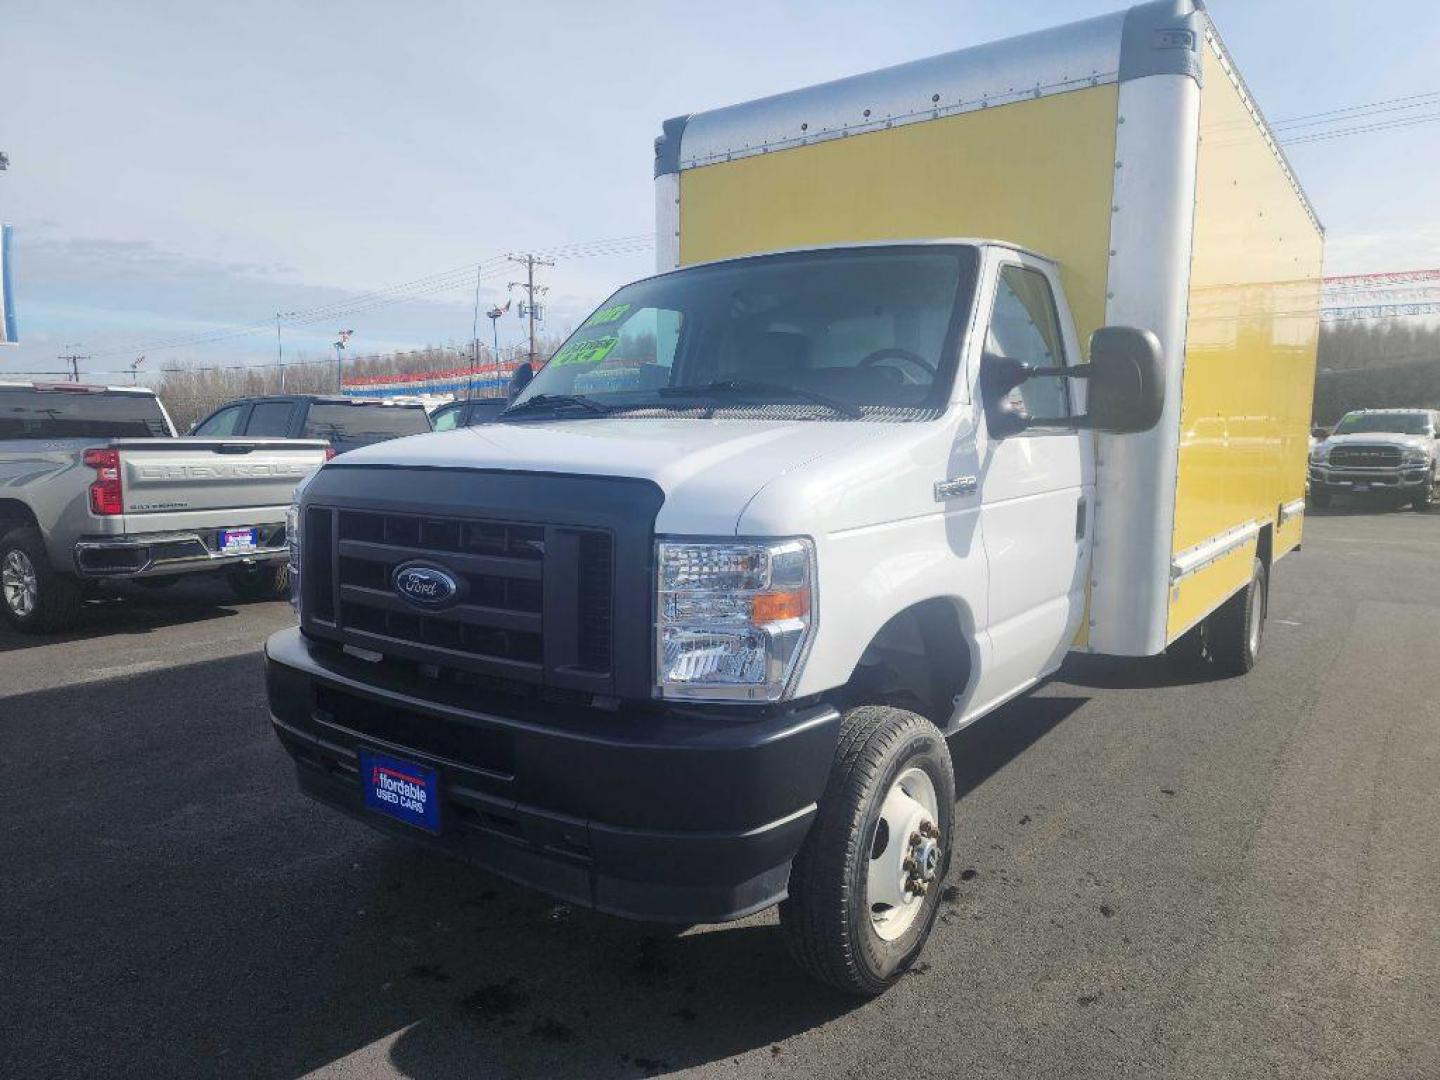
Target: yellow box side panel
<point>1205,590</point>
<point>1038,173</point>
<point>1250,347</point>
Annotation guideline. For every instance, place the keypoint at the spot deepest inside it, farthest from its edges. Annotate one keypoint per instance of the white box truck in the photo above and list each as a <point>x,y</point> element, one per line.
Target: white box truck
<point>950,369</point>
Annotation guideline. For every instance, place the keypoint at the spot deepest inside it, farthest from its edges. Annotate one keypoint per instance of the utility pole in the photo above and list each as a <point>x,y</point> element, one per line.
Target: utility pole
<point>528,309</point>
<point>279,347</point>
<point>474,339</point>
<point>73,359</point>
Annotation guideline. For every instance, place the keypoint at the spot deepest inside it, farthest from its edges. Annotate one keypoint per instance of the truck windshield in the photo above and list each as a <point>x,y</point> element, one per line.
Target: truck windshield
<point>826,335</point>
<point>1375,423</point>
<point>80,414</point>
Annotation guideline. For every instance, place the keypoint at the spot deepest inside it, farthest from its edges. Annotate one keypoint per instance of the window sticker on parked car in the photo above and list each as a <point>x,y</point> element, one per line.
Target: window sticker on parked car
<point>605,316</point>
<point>586,351</point>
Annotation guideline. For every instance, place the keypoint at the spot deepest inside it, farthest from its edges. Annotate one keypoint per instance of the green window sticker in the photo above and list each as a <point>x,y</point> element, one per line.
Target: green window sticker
<point>608,315</point>
<point>589,351</point>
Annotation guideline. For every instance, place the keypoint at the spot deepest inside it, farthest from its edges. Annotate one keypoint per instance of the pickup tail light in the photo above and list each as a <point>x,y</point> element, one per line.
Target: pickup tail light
<point>330,453</point>
<point>107,497</point>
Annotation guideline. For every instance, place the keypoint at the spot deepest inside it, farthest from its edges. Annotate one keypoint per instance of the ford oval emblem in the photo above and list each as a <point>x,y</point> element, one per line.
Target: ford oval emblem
<point>425,585</point>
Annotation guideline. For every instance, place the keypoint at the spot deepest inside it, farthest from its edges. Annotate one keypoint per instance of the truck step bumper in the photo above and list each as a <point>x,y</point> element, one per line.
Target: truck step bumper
<point>693,820</point>
<point>153,556</point>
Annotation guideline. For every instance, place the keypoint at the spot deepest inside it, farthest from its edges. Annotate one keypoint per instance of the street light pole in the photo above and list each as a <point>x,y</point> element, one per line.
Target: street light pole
<point>279,352</point>
<point>344,336</point>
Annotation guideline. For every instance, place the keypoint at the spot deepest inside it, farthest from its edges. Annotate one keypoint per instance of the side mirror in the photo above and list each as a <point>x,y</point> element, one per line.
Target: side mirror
<point>519,379</point>
<point>1319,433</point>
<point>1127,380</point>
<point>1127,385</point>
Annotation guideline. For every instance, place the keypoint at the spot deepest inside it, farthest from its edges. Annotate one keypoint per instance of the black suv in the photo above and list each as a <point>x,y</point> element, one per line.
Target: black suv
<point>345,422</point>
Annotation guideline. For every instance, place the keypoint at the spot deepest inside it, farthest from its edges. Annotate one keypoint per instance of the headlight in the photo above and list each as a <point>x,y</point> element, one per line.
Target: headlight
<point>734,618</point>
<point>293,539</point>
<point>1320,455</point>
<point>1415,455</point>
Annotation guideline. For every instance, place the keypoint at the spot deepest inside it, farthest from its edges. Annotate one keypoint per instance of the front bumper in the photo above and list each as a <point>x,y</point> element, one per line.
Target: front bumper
<point>1404,480</point>
<point>163,554</point>
<point>667,816</point>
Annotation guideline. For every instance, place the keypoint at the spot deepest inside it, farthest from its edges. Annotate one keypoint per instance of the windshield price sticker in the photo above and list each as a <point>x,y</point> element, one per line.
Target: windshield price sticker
<point>608,315</point>
<point>588,351</point>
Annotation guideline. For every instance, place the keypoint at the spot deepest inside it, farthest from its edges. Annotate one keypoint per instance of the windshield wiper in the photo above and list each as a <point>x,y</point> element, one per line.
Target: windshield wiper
<point>753,388</point>
<point>557,401</point>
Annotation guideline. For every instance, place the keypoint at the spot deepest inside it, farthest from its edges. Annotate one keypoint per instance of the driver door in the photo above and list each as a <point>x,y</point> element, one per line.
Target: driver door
<point>1037,487</point>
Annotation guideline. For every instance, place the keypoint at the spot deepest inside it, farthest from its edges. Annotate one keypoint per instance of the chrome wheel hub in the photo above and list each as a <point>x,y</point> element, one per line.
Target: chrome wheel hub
<point>18,583</point>
<point>906,854</point>
<point>1257,621</point>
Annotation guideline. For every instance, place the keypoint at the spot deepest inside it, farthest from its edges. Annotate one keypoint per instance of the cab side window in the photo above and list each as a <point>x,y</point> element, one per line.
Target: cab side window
<point>1025,326</point>
<point>270,418</point>
<point>446,418</point>
<point>223,422</point>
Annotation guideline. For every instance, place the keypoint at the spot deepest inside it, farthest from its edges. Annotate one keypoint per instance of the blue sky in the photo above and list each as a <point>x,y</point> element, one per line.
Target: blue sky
<point>184,167</point>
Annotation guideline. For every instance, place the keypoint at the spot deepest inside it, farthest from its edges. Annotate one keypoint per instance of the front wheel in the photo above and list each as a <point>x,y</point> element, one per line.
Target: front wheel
<point>864,888</point>
<point>1425,501</point>
<point>1320,499</point>
<point>267,581</point>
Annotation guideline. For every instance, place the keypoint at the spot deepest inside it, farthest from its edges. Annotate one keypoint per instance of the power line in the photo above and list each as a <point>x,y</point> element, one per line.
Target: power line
<point>1397,104</point>
<point>402,292</point>
<point>1340,133</point>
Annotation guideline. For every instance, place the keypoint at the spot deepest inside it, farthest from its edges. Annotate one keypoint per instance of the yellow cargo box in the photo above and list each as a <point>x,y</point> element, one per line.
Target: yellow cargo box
<point>1127,149</point>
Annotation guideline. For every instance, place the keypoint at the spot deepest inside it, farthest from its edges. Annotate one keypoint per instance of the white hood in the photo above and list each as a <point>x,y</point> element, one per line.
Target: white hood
<point>709,470</point>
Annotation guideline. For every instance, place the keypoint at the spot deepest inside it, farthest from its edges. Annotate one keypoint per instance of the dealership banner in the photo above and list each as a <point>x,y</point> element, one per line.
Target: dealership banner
<point>485,380</point>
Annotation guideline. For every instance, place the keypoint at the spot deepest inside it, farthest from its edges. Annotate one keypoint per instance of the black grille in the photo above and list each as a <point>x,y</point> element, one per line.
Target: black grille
<point>595,588</point>
<point>513,579</point>
<point>1365,457</point>
<point>554,575</point>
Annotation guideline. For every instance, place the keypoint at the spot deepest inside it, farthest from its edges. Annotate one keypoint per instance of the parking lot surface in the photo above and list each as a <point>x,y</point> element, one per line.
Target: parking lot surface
<point>1154,877</point>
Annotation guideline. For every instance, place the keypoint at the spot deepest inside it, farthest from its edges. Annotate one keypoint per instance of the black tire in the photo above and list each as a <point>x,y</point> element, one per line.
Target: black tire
<point>1319,499</point>
<point>58,597</point>
<point>268,581</point>
<point>1425,501</point>
<point>826,919</point>
<point>1237,628</point>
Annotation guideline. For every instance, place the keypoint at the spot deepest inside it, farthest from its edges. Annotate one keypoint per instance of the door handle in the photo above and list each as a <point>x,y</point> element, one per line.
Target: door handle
<point>955,486</point>
<point>1080,508</point>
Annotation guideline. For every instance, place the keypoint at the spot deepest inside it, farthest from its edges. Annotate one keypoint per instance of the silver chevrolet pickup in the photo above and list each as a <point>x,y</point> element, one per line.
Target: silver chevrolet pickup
<point>95,486</point>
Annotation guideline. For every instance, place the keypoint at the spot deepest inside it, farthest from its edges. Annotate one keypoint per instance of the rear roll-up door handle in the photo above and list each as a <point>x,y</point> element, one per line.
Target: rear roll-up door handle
<point>1080,508</point>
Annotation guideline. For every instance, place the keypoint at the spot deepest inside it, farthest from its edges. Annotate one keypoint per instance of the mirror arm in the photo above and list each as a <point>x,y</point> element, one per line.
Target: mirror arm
<point>1079,371</point>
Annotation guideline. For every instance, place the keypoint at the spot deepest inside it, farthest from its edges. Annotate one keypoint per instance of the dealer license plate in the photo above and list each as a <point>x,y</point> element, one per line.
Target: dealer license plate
<point>401,789</point>
<point>239,540</point>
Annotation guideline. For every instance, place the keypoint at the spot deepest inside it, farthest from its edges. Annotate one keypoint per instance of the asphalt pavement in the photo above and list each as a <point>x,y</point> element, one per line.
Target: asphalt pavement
<point>1154,877</point>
